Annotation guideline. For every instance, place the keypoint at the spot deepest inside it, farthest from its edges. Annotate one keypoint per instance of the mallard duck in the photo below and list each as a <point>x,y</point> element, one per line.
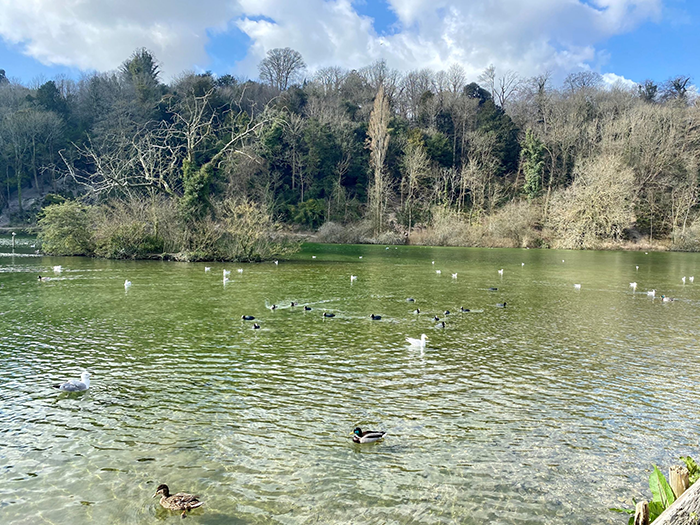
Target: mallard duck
<point>368,436</point>
<point>248,318</point>
<point>667,299</point>
<point>76,386</point>
<point>326,314</point>
<point>375,317</point>
<point>180,501</point>
<point>40,278</point>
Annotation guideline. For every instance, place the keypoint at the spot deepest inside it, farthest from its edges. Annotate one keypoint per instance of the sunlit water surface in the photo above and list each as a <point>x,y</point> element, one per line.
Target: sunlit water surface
<point>550,410</point>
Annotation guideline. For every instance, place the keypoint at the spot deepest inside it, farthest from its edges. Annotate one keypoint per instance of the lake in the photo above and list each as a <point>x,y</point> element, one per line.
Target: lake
<point>550,410</point>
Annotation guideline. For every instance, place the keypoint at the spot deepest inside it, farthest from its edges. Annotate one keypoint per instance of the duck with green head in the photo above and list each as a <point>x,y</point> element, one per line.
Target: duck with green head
<point>367,436</point>
<point>180,501</point>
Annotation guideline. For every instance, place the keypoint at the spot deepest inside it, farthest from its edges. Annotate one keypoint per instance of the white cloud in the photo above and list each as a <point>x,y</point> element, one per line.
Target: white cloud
<point>612,80</point>
<point>101,34</point>
<point>528,36</point>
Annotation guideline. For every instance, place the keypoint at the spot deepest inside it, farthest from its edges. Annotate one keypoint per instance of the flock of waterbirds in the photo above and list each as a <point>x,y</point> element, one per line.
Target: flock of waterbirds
<point>182,501</point>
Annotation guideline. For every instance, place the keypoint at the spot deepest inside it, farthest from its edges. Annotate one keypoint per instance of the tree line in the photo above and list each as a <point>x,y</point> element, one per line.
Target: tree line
<point>369,155</point>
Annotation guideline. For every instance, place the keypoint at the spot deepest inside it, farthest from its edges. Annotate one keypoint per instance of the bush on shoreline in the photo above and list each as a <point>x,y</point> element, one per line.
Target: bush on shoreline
<point>152,228</point>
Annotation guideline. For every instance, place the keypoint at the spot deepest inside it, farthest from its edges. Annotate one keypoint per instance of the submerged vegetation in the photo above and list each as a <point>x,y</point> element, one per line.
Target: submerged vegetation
<point>218,167</point>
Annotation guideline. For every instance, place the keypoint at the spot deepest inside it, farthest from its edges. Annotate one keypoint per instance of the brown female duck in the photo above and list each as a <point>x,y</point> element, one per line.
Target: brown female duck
<point>180,501</point>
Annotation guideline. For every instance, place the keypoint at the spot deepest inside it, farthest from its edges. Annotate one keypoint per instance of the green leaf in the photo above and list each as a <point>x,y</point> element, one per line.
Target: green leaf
<point>693,469</point>
<point>624,511</point>
<point>656,508</point>
<point>660,489</point>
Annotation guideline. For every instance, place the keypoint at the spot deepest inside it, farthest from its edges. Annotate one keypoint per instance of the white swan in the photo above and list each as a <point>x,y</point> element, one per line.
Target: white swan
<point>76,386</point>
<point>418,342</point>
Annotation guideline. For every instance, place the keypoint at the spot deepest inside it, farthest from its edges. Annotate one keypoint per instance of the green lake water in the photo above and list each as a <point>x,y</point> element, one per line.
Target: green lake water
<point>550,410</point>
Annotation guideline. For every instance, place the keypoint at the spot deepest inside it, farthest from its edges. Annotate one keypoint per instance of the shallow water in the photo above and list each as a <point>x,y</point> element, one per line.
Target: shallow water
<point>550,410</point>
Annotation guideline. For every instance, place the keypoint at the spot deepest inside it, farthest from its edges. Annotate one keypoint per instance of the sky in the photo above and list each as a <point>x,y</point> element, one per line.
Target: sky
<point>624,40</point>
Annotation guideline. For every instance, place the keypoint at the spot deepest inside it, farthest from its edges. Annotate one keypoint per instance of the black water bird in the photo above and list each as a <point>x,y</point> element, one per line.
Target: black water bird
<point>463,309</point>
<point>273,307</point>
<point>410,300</point>
<point>501,305</point>
<point>247,317</point>
<point>293,303</point>
<point>256,326</point>
<point>307,308</point>
<point>326,314</point>
<point>493,289</point>
<point>436,318</point>
<point>441,324</point>
<point>375,317</point>
<point>416,311</point>
<point>447,312</point>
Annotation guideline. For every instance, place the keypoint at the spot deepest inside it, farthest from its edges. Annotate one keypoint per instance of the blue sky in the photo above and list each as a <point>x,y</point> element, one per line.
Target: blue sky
<point>629,39</point>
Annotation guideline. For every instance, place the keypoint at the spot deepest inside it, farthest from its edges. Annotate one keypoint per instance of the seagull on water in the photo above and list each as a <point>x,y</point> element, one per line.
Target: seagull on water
<point>454,275</point>
<point>651,293</point>
<point>500,272</point>
<point>207,268</point>
<point>353,278</point>
<point>577,286</point>
<point>633,286</point>
<point>76,386</point>
<point>127,284</point>
<point>683,279</point>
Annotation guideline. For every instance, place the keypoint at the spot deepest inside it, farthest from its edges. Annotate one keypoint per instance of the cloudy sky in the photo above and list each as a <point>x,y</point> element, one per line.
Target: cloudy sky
<point>630,39</point>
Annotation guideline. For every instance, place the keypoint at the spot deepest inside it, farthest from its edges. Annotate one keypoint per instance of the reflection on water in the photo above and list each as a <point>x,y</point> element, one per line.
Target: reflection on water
<point>550,410</point>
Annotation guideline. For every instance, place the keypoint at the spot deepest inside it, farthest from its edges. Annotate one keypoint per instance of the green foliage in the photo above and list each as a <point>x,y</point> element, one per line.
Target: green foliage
<point>310,213</point>
<point>693,470</point>
<point>662,493</point>
<point>532,155</point>
<point>66,229</point>
<point>195,202</point>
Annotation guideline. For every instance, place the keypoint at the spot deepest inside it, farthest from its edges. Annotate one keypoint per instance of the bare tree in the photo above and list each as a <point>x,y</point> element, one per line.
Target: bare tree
<point>415,168</point>
<point>457,78</point>
<point>378,142</point>
<point>281,67</point>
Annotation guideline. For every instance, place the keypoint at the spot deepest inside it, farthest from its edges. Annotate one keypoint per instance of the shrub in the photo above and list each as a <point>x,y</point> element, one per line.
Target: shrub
<point>66,229</point>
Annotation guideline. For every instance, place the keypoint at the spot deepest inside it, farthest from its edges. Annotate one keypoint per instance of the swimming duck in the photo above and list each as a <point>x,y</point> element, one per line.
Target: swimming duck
<point>76,386</point>
<point>40,278</point>
<point>368,436</point>
<point>501,305</point>
<point>447,312</point>
<point>273,307</point>
<point>463,309</point>
<point>247,317</point>
<point>493,289</point>
<point>307,308</point>
<point>180,501</point>
<point>375,317</point>
<point>436,318</point>
<point>256,326</point>
<point>416,311</point>
<point>326,314</point>
<point>666,299</point>
<point>410,300</point>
